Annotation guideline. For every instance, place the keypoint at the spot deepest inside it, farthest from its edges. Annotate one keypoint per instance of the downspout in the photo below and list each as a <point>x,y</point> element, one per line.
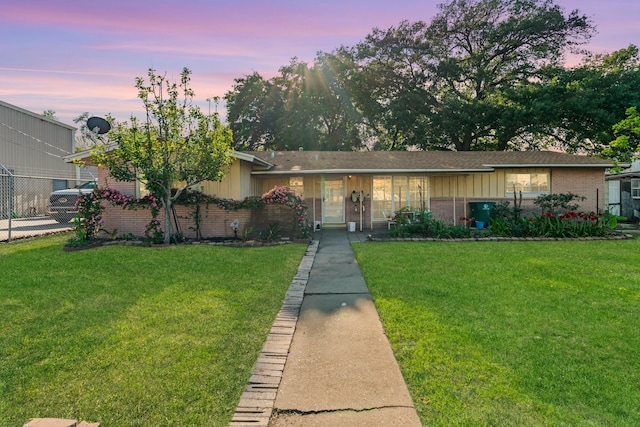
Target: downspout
<point>361,196</point>
<point>455,190</point>
<point>464,199</point>
<point>429,193</point>
<point>371,205</point>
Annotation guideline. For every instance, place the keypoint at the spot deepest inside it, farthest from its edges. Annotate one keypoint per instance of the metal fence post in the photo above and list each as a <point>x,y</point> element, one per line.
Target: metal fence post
<point>10,175</point>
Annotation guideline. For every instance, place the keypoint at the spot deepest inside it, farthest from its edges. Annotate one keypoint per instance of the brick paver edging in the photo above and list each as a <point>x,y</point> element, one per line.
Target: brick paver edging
<point>258,398</point>
<point>497,239</point>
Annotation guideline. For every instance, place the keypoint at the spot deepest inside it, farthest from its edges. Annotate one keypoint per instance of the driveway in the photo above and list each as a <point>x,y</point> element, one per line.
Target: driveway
<point>30,227</point>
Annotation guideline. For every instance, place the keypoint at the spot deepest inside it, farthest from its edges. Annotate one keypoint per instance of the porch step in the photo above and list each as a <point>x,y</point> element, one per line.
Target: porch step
<point>335,225</point>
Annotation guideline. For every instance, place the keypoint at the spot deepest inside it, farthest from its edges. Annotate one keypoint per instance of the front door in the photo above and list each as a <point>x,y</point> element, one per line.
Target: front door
<point>333,200</point>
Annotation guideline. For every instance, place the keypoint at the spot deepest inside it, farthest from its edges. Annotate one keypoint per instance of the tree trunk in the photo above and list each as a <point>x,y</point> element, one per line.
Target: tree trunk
<point>167,218</point>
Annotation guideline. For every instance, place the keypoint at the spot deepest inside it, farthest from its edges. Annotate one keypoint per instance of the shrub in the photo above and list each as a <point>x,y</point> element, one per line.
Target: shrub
<point>557,203</point>
<point>559,219</point>
<point>422,224</point>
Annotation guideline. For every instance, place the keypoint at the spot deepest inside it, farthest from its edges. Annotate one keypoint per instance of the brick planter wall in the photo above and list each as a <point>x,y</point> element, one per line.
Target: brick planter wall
<point>215,222</point>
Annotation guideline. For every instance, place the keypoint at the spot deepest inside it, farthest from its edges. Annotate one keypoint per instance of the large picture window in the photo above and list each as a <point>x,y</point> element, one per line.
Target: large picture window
<point>527,183</point>
<point>391,193</point>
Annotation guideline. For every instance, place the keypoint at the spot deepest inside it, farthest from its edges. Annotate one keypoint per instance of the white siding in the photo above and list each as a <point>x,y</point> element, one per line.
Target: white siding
<point>34,145</point>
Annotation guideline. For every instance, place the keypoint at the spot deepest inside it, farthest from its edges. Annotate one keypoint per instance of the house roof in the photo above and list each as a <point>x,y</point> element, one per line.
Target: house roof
<point>86,156</point>
<point>382,162</point>
<point>387,162</point>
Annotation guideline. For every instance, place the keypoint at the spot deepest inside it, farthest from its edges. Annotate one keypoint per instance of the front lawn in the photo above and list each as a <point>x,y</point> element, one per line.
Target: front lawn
<point>134,335</point>
<point>513,333</point>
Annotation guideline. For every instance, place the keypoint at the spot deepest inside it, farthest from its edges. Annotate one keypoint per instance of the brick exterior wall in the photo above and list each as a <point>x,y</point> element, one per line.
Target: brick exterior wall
<point>442,208</point>
<point>583,182</point>
<point>215,223</point>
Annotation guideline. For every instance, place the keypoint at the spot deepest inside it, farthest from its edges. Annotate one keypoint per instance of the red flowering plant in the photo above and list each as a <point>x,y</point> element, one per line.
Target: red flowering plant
<point>559,218</point>
<point>88,220</point>
<point>287,197</point>
<point>466,221</point>
<point>572,224</point>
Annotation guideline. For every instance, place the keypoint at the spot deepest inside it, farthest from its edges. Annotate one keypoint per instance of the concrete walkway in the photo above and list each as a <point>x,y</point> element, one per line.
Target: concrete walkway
<point>339,370</point>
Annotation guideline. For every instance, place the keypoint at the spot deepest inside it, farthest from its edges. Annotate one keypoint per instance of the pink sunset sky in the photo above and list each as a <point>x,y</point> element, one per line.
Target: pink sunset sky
<point>73,56</point>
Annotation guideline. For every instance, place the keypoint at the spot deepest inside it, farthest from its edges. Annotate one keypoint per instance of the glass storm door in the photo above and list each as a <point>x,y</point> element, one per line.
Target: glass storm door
<point>333,201</point>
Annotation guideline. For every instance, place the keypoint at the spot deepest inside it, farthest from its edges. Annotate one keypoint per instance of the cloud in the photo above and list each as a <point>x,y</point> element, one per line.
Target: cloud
<point>74,56</point>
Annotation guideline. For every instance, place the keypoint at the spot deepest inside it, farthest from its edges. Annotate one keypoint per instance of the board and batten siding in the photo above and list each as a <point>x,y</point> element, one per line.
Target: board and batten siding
<point>481,185</point>
<point>237,183</point>
<point>266,184</point>
<point>491,185</point>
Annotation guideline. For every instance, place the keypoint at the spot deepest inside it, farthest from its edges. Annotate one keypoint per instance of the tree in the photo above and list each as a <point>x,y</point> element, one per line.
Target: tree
<point>454,83</point>
<point>251,112</point>
<point>586,101</point>
<point>50,114</point>
<point>625,147</point>
<point>177,146</point>
<point>304,107</point>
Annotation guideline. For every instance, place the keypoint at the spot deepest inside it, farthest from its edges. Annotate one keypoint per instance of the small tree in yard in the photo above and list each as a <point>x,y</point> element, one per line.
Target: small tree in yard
<point>177,146</point>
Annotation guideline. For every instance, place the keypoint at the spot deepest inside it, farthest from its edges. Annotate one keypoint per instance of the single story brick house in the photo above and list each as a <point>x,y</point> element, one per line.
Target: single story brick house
<point>366,188</point>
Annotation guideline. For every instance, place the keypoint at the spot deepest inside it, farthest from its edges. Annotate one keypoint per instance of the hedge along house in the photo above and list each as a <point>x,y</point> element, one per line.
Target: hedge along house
<point>367,188</point>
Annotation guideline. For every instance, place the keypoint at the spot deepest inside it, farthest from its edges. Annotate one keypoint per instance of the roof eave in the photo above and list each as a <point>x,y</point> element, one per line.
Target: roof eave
<point>89,152</point>
<point>552,165</point>
<point>367,171</point>
<point>252,159</point>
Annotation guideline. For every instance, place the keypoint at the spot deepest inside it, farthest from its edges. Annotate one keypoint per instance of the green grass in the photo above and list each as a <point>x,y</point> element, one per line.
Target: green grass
<point>134,335</point>
<point>513,333</point>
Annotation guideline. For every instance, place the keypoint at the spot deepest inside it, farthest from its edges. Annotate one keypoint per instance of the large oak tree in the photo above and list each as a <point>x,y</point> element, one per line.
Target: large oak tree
<point>482,75</point>
<point>452,83</point>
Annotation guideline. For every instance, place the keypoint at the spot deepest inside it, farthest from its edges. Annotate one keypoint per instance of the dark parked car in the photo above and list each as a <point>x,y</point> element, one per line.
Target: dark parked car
<point>62,202</point>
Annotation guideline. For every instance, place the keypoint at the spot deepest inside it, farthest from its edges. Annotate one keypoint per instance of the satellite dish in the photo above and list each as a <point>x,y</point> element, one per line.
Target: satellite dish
<point>98,123</point>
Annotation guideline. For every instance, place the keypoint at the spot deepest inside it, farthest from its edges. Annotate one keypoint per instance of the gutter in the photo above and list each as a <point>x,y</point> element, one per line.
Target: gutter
<point>554,165</point>
<point>238,155</point>
<point>367,171</point>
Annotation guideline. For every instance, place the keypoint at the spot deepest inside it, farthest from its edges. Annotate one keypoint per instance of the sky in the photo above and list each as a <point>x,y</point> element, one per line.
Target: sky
<point>76,56</point>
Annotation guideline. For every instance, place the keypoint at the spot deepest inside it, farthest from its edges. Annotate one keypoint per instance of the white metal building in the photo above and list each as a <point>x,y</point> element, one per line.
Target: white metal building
<point>32,148</point>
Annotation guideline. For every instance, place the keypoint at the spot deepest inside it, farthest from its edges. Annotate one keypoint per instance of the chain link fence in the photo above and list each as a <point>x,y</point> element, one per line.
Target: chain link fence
<point>34,206</point>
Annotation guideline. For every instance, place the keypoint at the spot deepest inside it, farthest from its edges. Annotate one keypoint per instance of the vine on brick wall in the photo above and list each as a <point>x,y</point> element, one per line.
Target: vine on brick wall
<point>278,195</point>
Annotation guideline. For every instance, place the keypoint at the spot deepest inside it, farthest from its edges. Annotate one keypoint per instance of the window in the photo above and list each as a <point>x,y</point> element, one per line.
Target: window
<point>527,183</point>
<point>296,183</point>
<point>635,188</point>
<point>381,199</point>
<point>393,193</point>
